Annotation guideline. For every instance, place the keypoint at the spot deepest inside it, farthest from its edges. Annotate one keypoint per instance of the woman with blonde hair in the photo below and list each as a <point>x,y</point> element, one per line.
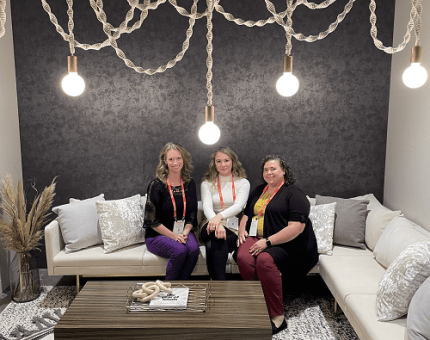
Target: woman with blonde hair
<point>224,191</point>
<point>171,212</point>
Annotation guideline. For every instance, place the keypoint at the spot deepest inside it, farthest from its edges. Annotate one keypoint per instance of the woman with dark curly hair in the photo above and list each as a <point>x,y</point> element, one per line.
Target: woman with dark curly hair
<point>276,236</point>
<point>224,191</point>
<point>171,213</point>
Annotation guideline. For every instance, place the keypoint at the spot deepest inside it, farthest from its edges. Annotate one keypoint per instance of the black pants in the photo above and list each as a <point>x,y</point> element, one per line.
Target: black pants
<point>217,251</point>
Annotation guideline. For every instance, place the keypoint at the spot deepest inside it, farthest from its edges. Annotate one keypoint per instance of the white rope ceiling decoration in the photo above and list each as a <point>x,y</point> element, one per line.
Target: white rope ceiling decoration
<point>287,85</point>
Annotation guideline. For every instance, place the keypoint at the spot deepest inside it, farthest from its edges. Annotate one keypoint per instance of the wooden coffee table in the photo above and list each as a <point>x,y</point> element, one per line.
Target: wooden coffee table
<point>236,310</point>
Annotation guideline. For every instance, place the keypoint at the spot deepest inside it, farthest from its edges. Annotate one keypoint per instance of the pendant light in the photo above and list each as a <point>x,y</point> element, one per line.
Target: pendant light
<point>415,75</point>
<point>209,133</point>
<point>288,84</point>
<point>72,83</point>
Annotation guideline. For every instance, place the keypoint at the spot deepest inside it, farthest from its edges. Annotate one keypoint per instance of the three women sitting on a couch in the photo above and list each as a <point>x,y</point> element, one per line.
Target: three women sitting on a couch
<point>275,235</point>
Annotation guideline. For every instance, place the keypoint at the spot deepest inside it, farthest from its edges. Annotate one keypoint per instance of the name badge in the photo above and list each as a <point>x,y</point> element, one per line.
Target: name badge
<point>233,223</point>
<point>253,228</point>
<point>178,227</point>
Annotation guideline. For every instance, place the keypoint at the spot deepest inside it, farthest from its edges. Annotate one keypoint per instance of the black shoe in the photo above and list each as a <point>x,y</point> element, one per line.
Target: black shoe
<point>276,330</point>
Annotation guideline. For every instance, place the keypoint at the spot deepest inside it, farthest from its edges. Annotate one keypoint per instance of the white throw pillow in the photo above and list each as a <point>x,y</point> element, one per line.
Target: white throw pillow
<point>401,280</point>
<point>373,201</point>
<point>397,236</point>
<point>418,323</point>
<point>322,217</point>
<point>376,222</point>
<point>79,224</point>
<point>121,222</point>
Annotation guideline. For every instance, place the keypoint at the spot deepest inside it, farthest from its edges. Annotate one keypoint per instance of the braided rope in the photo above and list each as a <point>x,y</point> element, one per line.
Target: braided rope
<point>71,25</point>
<point>182,11</point>
<point>96,6</point>
<point>114,33</point>
<point>2,17</point>
<point>419,8</point>
<point>170,64</point>
<point>374,31</point>
<point>209,36</point>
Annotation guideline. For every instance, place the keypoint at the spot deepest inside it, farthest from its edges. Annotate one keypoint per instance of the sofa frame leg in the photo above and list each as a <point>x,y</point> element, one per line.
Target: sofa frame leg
<point>336,310</point>
<point>78,286</point>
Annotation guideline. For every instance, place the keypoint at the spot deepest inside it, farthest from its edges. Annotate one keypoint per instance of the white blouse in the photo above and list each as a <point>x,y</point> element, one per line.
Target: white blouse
<point>211,201</point>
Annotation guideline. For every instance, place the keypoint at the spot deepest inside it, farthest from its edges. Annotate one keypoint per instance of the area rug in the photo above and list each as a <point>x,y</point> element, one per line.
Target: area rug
<point>309,316</point>
<point>35,320</point>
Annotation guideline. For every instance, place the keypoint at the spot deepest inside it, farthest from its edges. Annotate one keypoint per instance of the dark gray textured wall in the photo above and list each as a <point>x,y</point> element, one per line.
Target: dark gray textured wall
<point>332,132</point>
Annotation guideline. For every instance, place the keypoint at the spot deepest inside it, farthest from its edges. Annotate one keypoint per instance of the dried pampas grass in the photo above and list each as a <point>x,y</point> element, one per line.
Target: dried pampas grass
<point>19,231</point>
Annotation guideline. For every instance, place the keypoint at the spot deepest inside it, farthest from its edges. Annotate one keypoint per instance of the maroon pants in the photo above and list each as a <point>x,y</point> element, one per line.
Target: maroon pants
<point>263,268</point>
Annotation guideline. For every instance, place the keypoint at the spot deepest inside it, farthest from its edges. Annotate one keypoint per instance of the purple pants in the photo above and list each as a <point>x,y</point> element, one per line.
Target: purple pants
<point>182,257</point>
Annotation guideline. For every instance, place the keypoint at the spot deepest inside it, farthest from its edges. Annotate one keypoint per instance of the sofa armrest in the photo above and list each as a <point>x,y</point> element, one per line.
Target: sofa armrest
<point>54,243</point>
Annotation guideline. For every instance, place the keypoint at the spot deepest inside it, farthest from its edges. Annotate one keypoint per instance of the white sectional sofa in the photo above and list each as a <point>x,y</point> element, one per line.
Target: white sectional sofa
<point>352,274</point>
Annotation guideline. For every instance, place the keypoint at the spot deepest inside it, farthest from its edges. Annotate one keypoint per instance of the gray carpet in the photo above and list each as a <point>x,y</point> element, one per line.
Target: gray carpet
<point>308,310</point>
<point>36,319</point>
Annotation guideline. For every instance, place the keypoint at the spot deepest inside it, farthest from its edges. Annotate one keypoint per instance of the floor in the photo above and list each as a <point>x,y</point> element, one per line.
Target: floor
<point>45,280</point>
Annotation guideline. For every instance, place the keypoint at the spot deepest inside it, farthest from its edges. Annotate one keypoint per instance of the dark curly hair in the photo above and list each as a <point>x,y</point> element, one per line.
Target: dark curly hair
<point>288,176</point>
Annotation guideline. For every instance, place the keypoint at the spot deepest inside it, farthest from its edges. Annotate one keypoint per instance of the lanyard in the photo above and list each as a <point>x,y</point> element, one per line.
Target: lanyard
<point>270,198</point>
<point>173,199</point>
<point>220,193</point>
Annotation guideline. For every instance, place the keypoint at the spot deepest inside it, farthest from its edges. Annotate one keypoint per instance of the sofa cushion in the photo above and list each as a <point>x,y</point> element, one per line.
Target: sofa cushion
<point>350,220</point>
<point>79,224</point>
<point>121,222</point>
<point>401,280</point>
<point>376,222</point>
<point>418,324</point>
<point>345,274</point>
<point>397,236</point>
<point>322,217</point>
<point>362,316</point>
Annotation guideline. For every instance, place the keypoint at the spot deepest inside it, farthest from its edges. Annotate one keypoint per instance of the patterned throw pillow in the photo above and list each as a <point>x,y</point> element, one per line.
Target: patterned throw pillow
<point>322,217</point>
<point>401,280</point>
<point>121,223</point>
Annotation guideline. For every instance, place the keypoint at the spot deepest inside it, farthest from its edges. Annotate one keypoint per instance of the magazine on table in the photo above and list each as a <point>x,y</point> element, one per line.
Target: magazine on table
<point>177,300</point>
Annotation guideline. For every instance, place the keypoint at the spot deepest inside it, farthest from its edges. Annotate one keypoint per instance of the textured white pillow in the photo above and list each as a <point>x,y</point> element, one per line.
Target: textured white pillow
<point>121,222</point>
<point>322,217</point>
<point>79,224</point>
<point>376,222</point>
<point>401,280</point>
<point>397,236</point>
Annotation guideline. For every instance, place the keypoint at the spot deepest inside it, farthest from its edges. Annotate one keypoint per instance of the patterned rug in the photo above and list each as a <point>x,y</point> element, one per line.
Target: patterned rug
<point>36,319</point>
<point>309,315</point>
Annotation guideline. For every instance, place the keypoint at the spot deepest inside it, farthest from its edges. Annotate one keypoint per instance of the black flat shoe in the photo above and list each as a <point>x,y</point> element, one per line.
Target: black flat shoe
<point>276,330</point>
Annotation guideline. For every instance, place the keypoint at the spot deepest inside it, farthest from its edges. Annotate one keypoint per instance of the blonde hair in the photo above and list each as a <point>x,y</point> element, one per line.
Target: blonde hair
<point>162,171</point>
<point>236,168</point>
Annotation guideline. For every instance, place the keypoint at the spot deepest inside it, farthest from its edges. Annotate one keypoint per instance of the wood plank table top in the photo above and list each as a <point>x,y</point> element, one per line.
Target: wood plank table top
<point>235,310</point>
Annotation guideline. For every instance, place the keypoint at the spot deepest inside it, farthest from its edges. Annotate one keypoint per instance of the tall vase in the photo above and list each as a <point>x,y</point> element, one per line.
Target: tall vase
<point>24,281</point>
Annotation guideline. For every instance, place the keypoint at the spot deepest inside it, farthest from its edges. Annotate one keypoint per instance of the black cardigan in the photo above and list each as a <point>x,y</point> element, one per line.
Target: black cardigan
<point>289,204</point>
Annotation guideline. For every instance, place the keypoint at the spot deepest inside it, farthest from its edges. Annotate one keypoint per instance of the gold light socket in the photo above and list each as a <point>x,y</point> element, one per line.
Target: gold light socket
<point>416,54</point>
<point>209,113</point>
<point>288,63</point>
<point>72,62</point>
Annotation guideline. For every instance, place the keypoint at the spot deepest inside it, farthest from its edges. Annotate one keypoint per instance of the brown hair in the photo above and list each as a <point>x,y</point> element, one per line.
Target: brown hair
<point>162,170</point>
<point>236,168</point>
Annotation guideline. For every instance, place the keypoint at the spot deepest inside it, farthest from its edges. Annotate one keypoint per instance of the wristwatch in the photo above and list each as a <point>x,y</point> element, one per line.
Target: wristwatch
<point>268,242</point>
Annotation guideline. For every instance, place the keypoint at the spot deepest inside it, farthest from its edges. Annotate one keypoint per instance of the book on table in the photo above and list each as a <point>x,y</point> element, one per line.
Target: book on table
<point>177,300</point>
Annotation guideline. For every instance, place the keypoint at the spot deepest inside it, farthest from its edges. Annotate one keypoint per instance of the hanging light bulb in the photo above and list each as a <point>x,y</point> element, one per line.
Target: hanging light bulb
<point>288,84</point>
<point>415,75</point>
<point>209,133</point>
<point>73,84</point>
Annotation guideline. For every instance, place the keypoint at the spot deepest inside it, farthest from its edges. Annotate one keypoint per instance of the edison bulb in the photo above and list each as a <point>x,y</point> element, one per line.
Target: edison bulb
<point>414,76</point>
<point>73,84</point>
<point>209,133</point>
<point>287,85</point>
